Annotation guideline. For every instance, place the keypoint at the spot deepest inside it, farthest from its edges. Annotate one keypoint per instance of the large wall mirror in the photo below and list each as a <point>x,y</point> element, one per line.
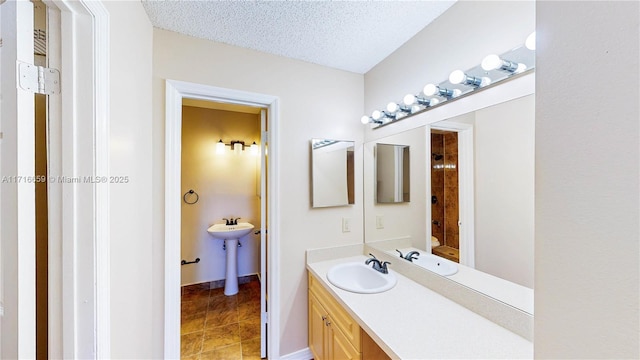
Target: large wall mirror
<point>392,173</point>
<point>473,201</point>
<point>332,173</point>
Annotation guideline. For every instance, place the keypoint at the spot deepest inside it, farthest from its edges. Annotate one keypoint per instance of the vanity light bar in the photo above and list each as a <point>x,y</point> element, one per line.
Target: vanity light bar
<point>493,70</point>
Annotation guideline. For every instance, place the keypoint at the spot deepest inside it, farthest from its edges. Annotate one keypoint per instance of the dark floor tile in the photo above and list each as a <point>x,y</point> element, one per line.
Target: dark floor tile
<point>192,322</point>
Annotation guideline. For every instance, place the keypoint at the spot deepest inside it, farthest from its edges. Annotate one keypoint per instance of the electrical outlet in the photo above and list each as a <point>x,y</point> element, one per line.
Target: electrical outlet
<point>379,222</point>
<point>346,225</point>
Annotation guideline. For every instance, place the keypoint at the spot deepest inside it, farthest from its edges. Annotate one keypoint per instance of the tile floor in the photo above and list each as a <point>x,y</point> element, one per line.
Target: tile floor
<point>215,326</point>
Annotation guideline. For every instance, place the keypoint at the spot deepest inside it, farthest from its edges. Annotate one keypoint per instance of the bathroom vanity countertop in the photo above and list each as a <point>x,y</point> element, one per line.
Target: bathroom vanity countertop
<point>411,321</point>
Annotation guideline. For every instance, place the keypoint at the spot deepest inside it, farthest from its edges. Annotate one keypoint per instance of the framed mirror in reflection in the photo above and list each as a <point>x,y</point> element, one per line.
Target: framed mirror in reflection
<point>478,190</point>
<point>392,181</point>
<point>332,173</point>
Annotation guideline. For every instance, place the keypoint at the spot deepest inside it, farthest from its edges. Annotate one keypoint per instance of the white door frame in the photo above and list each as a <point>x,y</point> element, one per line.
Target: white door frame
<point>79,224</point>
<point>175,91</point>
<point>465,188</point>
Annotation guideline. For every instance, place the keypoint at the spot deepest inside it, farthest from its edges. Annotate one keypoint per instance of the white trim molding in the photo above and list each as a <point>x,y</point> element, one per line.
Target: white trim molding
<point>304,354</point>
<point>175,91</point>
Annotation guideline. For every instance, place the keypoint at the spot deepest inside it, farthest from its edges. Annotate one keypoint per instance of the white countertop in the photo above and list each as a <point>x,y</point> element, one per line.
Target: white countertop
<point>412,322</point>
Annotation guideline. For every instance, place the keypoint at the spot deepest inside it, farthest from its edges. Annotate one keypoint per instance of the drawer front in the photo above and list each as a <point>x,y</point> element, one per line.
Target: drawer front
<point>339,316</point>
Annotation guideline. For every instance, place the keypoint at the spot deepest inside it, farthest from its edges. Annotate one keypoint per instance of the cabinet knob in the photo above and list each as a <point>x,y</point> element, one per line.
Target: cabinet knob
<point>327,323</point>
<point>324,318</point>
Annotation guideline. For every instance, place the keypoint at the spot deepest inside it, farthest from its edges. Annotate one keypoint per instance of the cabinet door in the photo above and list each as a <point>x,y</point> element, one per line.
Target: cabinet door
<point>317,316</point>
<point>340,347</point>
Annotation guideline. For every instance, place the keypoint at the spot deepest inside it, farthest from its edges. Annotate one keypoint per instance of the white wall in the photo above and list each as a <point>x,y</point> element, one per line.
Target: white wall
<point>587,170</point>
<point>315,102</point>
<point>504,190</point>
<point>226,185</point>
<point>132,298</point>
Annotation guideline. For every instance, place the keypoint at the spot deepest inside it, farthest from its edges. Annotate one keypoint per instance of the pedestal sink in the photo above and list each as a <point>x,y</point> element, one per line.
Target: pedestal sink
<point>230,234</point>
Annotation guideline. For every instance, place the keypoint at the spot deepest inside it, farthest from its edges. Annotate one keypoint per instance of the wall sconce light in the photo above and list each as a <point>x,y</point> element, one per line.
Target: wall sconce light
<point>435,90</point>
<point>220,147</point>
<point>237,147</point>
<point>411,100</point>
<point>369,120</point>
<point>495,62</point>
<point>393,108</point>
<point>378,115</point>
<point>459,77</point>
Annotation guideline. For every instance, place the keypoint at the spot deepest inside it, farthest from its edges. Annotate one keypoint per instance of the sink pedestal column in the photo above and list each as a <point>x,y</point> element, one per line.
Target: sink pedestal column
<point>231,277</point>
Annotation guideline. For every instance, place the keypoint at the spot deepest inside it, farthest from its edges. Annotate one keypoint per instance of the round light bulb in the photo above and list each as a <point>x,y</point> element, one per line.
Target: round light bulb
<point>415,108</point>
<point>364,119</point>
<point>392,107</point>
<point>457,77</point>
<point>456,92</point>
<point>409,99</point>
<point>376,115</point>
<point>430,89</point>
<point>530,43</point>
<point>521,67</point>
<point>491,62</point>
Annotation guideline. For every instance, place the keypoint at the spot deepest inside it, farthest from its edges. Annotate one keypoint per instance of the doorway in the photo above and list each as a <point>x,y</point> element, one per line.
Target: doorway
<point>176,93</point>
<point>452,191</point>
<point>221,184</point>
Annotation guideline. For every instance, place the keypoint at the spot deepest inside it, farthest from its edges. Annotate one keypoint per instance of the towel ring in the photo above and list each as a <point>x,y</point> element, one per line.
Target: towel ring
<point>190,192</point>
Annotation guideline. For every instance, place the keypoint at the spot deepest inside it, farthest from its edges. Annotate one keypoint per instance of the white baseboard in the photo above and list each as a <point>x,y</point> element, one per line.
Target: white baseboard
<point>304,354</point>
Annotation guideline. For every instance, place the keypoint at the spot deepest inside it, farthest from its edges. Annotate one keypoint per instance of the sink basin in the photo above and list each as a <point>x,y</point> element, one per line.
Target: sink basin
<point>230,234</point>
<point>224,232</point>
<point>436,264</point>
<point>360,278</point>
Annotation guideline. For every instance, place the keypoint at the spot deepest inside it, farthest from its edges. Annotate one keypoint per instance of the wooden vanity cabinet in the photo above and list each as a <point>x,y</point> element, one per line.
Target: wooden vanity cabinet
<point>333,334</point>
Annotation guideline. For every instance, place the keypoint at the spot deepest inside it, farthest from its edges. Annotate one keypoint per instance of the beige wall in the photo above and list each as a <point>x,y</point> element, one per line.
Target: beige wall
<point>135,322</point>
<point>226,185</point>
<point>587,171</point>
<point>315,102</point>
<point>399,219</point>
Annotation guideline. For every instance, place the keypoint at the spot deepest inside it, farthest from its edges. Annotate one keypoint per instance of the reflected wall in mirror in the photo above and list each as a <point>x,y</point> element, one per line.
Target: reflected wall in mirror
<point>332,173</point>
<point>392,173</point>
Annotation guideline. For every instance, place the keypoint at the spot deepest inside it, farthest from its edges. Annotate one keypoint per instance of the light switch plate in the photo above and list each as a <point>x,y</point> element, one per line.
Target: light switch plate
<point>379,222</point>
<point>346,225</point>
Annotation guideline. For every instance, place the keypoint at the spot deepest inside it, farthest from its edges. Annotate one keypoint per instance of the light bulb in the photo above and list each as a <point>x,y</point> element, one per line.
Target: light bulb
<point>495,62</point>
<point>409,99</point>
<point>254,149</point>
<point>220,147</point>
<point>530,43</point>
<point>365,119</point>
<point>392,107</point>
<point>430,89</point>
<point>237,148</point>
<point>457,77</point>
<point>376,115</point>
<point>491,62</point>
<point>433,102</point>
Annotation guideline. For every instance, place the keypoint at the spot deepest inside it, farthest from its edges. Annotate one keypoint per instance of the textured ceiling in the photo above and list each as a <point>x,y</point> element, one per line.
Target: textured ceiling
<point>347,35</point>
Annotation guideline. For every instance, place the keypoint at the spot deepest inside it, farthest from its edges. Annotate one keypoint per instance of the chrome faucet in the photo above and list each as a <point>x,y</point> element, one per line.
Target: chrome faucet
<point>410,255</point>
<point>377,265</point>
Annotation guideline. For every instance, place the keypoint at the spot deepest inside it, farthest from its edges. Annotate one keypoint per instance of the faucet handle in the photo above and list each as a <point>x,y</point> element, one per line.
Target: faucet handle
<point>383,267</point>
<point>400,252</point>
